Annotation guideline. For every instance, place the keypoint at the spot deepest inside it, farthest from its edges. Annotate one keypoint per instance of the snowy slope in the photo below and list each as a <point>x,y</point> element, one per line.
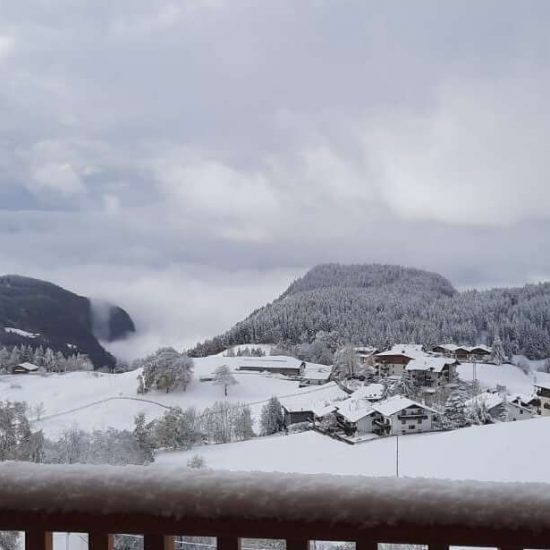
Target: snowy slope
<point>97,400</point>
<point>514,451</point>
<point>488,376</point>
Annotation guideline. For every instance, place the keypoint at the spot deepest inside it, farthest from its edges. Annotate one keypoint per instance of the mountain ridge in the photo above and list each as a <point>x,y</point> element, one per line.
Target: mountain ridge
<point>380,305</point>
<point>56,318</point>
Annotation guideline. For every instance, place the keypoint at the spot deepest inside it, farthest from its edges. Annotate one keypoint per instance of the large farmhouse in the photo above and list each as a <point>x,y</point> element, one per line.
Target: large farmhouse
<point>430,372</point>
<point>272,364</point>
<point>394,361</point>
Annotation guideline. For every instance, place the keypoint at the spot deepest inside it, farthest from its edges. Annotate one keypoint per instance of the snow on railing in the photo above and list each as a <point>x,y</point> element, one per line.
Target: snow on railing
<point>158,501</point>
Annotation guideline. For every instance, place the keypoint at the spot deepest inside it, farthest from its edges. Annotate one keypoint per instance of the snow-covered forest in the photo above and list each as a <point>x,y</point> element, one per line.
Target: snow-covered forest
<point>381,305</point>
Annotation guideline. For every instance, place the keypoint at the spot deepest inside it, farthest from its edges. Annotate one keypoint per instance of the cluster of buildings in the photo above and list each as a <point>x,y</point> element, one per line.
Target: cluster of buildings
<point>365,411</point>
<point>432,368</point>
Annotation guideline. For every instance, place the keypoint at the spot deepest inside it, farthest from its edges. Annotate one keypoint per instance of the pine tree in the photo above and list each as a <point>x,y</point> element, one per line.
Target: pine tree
<point>243,423</point>
<point>454,415</point>
<point>499,355</point>
<point>272,418</point>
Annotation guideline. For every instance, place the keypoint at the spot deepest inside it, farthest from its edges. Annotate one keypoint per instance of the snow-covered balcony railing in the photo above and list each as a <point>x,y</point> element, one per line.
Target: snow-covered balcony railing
<point>162,502</point>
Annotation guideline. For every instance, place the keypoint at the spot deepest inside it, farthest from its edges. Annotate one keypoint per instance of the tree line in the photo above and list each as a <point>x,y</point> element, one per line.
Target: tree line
<point>385,305</point>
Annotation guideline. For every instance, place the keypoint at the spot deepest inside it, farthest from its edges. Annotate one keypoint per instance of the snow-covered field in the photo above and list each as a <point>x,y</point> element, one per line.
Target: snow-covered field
<point>488,376</point>
<point>513,451</point>
<point>98,401</point>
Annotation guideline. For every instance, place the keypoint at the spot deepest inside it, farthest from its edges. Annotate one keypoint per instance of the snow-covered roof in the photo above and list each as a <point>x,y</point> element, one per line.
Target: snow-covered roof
<point>318,400</point>
<point>429,363</point>
<point>408,350</point>
<point>448,347</point>
<point>453,347</point>
<point>316,372</point>
<point>397,403</point>
<point>542,380</point>
<point>370,391</point>
<point>28,366</point>
<point>354,409</point>
<point>270,362</point>
<point>365,350</point>
<point>523,398</point>
<point>481,347</point>
<point>489,399</point>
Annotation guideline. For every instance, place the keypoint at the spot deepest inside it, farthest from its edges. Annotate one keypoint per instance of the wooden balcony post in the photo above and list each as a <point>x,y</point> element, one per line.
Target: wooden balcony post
<point>159,542</point>
<point>38,540</point>
<point>294,544</point>
<point>228,543</point>
<point>100,541</point>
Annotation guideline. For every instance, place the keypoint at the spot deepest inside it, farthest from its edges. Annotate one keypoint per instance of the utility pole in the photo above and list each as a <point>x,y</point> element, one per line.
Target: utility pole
<point>396,455</point>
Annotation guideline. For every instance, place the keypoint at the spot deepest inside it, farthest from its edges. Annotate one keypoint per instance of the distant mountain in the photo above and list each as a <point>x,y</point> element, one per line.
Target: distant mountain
<point>384,304</point>
<point>35,312</point>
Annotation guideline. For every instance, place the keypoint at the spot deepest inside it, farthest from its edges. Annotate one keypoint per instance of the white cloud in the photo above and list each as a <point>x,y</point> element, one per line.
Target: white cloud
<point>60,178</point>
<point>479,157</point>
<point>7,46</point>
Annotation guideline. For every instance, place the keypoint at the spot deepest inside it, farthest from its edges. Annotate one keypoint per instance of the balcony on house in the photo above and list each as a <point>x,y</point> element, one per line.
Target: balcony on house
<point>162,503</point>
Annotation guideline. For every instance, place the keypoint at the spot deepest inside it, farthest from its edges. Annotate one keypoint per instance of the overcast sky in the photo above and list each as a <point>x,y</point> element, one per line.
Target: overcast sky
<point>187,159</point>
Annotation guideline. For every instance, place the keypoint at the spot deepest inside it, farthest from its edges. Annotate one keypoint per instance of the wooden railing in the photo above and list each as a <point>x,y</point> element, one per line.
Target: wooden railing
<point>161,503</point>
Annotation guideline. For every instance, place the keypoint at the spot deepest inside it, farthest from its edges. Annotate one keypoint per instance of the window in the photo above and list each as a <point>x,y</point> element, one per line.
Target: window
<point>403,421</point>
<point>419,421</point>
<point>411,427</point>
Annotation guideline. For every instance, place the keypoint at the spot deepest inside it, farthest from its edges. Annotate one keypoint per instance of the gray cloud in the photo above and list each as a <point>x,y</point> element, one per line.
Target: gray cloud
<point>189,159</point>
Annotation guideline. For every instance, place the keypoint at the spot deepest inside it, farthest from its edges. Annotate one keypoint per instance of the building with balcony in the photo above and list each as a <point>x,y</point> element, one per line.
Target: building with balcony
<point>393,362</point>
<point>430,372</point>
<point>542,388</point>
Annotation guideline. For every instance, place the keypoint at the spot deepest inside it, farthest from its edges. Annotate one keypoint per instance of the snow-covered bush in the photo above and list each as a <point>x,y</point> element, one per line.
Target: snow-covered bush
<point>196,461</point>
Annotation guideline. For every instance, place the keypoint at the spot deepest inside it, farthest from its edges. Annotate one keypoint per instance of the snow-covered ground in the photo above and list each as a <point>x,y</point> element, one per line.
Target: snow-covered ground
<point>488,376</point>
<point>98,400</point>
<point>513,451</point>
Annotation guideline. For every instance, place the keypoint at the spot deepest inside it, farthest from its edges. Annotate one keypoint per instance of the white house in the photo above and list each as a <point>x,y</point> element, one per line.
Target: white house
<point>356,416</point>
<point>396,415</point>
<point>542,388</point>
<point>500,408</point>
<point>429,371</point>
<point>405,416</point>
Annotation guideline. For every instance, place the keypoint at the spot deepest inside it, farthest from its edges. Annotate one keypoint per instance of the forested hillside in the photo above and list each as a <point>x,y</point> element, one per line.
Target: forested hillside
<point>38,313</point>
<point>381,305</point>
